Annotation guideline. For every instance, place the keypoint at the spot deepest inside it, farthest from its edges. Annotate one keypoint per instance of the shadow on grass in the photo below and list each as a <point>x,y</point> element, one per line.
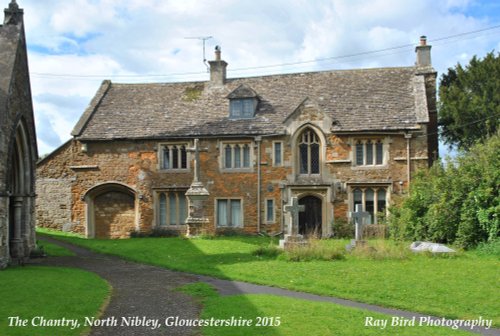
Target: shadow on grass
<point>181,254</point>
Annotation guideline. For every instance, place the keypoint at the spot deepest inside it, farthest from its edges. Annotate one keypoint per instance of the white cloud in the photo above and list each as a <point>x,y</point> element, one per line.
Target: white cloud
<point>147,37</point>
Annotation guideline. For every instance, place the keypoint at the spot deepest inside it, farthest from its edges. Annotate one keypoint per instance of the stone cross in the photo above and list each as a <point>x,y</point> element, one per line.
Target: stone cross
<point>358,216</point>
<point>196,149</point>
<point>294,208</point>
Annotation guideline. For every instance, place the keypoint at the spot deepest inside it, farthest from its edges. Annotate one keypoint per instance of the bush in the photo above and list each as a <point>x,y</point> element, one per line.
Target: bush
<point>342,228</point>
<point>489,249</point>
<point>155,233</point>
<point>454,203</point>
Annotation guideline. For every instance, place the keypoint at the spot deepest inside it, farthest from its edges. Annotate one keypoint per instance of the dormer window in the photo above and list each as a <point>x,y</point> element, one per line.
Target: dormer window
<point>242,108</point>
<point>243,103</point>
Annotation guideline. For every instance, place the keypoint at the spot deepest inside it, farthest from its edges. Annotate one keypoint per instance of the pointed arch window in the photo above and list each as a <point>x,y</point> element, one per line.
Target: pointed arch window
<point>308,147</point>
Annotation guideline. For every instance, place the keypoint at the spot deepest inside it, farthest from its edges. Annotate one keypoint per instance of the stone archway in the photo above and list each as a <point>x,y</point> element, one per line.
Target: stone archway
<point>20,189</point>
<point>311,219</point>
<point>111,211</point>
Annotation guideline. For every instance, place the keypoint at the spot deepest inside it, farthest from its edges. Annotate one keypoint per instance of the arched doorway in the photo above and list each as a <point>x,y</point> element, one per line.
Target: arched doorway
<point>20,189</point>
<point>311,219</point>
<point>111,211</point>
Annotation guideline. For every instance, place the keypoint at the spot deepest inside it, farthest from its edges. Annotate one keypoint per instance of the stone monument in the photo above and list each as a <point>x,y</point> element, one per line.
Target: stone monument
<point>359,216</point>
<point>293,238</point>
<point>196,195</point>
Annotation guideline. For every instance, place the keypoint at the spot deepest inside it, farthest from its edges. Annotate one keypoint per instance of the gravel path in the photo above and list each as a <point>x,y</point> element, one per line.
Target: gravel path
<point>148,291</point>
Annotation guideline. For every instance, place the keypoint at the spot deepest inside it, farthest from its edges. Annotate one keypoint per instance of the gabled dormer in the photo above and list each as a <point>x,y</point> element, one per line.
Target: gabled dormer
<point>242,103</point>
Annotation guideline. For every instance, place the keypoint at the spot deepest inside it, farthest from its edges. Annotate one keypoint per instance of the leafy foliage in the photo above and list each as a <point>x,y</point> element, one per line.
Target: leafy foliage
<point>469,107</point>
<point>454,203</point>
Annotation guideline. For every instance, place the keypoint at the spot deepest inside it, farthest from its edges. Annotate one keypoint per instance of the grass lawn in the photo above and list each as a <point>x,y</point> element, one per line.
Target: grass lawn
<point>294,316</point>
<point>465,287</point>
<point>53,250</point>
<point>52,293</point>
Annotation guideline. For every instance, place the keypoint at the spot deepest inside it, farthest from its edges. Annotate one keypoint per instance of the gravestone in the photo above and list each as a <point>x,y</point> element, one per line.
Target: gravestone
<point>359,216</point>
<point>196,195</point>
<point>293,238</point>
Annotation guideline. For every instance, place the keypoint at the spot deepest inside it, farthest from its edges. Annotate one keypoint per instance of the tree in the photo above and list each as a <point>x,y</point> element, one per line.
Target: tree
<point>469,106</point>
<point>457,203</point>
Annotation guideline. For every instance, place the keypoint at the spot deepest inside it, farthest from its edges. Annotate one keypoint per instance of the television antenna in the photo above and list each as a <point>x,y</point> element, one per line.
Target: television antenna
<point>203,39</point>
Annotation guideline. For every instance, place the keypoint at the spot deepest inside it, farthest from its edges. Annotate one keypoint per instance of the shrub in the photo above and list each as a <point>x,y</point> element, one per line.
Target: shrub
<point>454,203</point>
<point>342,228</point>
<point>491,248</point>
<point>155,233</point>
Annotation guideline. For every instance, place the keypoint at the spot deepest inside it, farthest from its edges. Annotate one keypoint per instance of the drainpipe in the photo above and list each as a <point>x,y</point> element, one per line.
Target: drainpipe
<point>408,158</point>
<point>258,140</point>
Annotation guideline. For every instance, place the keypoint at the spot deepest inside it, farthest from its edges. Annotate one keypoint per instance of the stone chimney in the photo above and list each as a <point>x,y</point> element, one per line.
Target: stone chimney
<point>423,54</point>
<point>13,14</point>
<point>217,69</point>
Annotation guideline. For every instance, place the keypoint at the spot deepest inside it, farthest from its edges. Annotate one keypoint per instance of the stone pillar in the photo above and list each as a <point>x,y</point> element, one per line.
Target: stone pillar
<point>16,243</point>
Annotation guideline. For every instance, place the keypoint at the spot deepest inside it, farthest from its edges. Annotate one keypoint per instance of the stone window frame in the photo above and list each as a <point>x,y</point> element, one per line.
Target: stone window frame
<point>364,141</point>
<point>157,205</point>
<point>266,211</point>
<point>275,161</point>
<point>233,169</point>
<point>216,212</point>
<point>375,187</point>
<point>318,141</point>
<point>161,148</point>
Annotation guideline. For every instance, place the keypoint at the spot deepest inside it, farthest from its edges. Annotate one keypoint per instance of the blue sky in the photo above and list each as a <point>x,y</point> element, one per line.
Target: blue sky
<point>74,45</point>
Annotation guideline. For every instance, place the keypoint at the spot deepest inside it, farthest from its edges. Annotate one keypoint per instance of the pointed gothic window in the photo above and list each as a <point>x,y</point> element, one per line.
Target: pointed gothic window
<point>308,155</point>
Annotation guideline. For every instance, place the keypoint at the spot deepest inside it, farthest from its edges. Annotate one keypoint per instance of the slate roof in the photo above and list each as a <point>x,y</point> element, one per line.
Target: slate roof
<point>383,99</point>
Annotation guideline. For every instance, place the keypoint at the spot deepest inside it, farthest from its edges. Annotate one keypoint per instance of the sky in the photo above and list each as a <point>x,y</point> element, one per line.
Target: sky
<point>74,45</point>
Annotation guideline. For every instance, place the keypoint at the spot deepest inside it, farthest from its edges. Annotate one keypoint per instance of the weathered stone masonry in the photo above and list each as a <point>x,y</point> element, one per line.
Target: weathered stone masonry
<point>331,139</point>
<point>18,152</point>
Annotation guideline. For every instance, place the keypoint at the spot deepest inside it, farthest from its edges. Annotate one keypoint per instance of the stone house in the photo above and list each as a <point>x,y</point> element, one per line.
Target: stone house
<point>332,139</point>
<point>18,151</point>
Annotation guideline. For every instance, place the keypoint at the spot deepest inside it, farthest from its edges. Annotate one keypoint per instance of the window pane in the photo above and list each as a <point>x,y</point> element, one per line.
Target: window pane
<point>359,154</point>
<point>246,156</point>
<point>222,212</point>
<point>182,208</point>
<point>248,108</point>
<point>303,158</point>
<point>380,153</point>
<point>369,153</point>
<point>315,159</point>
<point>166,158</point>
<point>358,197</point>
<point>183,157</point>
<point>236,108</point>
<point>369,203</point>
<point>237,156</point>
<point>228,161</point>
<point>277,153</point>
<point>235,213</point>
<point>175,157</point>
<point>270,210</point>
<point>163,210</point>
<point>381,200</point>
<point>172,208</point>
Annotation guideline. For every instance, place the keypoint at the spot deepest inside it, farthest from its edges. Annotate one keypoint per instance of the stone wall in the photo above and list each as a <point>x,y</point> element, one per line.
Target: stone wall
<point>135,164</point>
<point>53,207</point>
